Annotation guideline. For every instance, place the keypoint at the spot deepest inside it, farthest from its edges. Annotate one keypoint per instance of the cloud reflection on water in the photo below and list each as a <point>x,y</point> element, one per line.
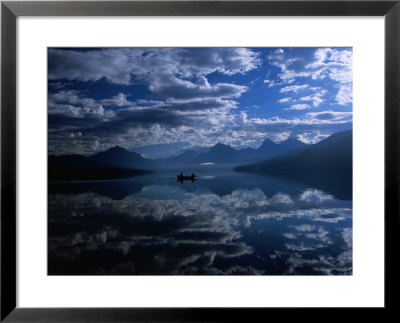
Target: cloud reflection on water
<point>165,229</point>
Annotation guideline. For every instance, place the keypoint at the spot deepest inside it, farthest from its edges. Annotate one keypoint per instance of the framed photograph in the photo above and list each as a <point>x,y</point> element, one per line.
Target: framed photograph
<point>197,161</point>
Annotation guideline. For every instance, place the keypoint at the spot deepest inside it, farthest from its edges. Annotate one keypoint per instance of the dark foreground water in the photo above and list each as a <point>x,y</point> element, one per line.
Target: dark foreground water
<point>223,224</point>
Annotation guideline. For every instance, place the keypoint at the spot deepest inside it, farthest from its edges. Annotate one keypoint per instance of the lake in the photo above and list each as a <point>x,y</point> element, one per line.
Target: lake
<point>224,223</point>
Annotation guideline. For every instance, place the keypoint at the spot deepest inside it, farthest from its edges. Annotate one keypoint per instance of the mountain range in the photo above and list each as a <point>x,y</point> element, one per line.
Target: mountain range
<point>113,163</point>
<point>327,163</point>
<point>225,155</point>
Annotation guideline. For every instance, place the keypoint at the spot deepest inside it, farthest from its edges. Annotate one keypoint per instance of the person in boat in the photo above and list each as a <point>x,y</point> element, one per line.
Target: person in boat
<point>181,178</point>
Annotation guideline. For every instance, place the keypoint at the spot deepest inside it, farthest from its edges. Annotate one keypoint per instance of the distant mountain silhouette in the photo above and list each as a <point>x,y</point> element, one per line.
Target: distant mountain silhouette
<point>200,149</point>
<point>219,153</point>
<point>222,154</point>
<point>327,164</point>
<point>268,147</point>
<point>187,157</point>
<point>119,157</point>
<point>113,163</point>
<point>291,143</point>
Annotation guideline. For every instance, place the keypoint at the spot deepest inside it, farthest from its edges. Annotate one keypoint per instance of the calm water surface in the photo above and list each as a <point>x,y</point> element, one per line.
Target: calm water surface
<point>225,223</point>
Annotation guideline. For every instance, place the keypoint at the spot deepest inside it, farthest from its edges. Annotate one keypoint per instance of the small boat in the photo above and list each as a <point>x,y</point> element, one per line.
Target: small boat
<point>181,178</point>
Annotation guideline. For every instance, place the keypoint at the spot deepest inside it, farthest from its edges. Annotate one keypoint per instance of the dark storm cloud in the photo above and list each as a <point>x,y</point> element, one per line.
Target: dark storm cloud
<point>127,128</point>
<point>86,66</point>
<point>173,88</point>
<point>129,119</point>
<point>118,65</point>
<point>121,120</point>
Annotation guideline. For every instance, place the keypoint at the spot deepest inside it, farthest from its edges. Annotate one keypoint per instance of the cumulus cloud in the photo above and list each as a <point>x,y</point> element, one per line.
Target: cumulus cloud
<point>272,83</point>
<point>312,137</point>
<point>316,196</point>
<point>174,89</point>
<point>304,227</point>
<point>345,94</point>
<point>243,116</point>
<point>315,98</point>
<point>281,198</point>
<point>330,115</point>
<point>326,63</point>
<point>118,100</point>
<point>293,88</point>
<point>298,107</point>
<point>72,103</point>
<point>70,97</point>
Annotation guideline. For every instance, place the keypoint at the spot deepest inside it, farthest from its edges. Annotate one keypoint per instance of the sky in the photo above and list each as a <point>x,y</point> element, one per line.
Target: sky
<point>177,98</point>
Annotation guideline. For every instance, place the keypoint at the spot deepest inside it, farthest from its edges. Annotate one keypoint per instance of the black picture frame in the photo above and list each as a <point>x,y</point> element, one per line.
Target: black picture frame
<point>10,10</point>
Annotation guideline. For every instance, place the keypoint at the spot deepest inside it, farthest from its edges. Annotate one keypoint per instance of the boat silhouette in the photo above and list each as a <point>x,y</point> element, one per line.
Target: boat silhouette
<point>181,178</point>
